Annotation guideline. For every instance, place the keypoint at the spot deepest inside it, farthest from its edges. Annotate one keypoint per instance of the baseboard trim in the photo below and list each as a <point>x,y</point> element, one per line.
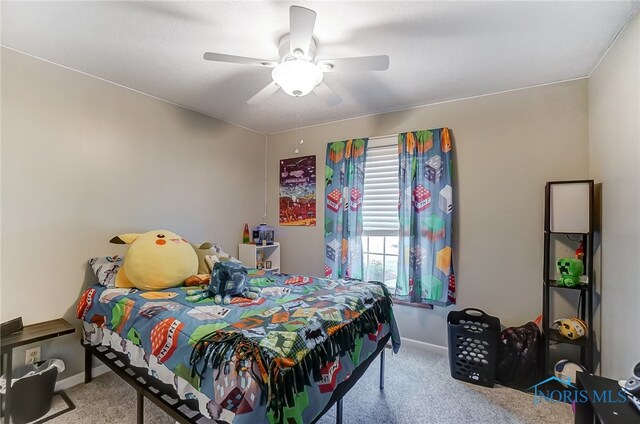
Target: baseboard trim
<point>428,347</point>
<point>76,379</point>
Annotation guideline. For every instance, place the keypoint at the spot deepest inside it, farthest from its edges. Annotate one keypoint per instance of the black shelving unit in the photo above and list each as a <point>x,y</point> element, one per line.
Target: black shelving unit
<point>585,310</point>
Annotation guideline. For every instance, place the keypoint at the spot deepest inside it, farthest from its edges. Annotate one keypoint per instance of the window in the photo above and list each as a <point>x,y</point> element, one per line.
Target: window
<point>380,211</point>
<point>380,254</point>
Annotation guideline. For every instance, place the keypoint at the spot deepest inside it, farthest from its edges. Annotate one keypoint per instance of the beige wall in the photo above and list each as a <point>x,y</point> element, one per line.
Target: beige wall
<point>614,150</point>
<point>84,160</point>
<point>507,146</point>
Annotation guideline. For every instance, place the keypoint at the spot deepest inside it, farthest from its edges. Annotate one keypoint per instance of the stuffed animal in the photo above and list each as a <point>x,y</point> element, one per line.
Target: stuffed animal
<point>203,250</point>
<point>198,280</point>
<point>155,260</point>
<point>571,328</point>
<point>570,270</point>
<point>228,278</point>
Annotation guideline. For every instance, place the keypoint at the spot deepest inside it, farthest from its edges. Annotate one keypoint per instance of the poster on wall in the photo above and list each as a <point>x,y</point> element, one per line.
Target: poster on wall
<point>298,191</point>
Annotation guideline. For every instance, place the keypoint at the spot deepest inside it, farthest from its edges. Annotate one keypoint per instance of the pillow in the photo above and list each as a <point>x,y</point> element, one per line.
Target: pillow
<point>219,252</point>
<point>211,260</point>
<point>202,250</point>
<point>219,255</point>
<point>106,269</point>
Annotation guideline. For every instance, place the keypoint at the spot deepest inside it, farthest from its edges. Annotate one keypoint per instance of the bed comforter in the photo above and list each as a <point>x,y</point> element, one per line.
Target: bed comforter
<point>274,359</point>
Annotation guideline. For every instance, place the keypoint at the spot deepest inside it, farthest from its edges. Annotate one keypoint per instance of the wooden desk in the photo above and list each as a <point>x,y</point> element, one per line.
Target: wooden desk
<point>29,334</point>
<point>603,412</point>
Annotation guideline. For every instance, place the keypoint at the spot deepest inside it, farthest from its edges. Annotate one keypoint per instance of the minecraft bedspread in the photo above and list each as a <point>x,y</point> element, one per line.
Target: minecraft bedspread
<point>274,359</point>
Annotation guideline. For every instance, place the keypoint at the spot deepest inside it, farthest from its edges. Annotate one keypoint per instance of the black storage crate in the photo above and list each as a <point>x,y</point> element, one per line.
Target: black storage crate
<point>473,346</point>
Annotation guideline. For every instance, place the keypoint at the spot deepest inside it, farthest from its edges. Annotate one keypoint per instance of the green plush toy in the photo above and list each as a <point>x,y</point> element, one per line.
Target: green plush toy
<point>570,270</point>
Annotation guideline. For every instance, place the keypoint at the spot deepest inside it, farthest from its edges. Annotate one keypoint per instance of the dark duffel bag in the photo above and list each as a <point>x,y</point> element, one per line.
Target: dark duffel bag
<point>519,356</point>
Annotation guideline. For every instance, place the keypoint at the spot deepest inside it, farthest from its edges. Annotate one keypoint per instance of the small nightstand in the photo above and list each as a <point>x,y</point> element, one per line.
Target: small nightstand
<point>32,334</point>
<point>252,255</point>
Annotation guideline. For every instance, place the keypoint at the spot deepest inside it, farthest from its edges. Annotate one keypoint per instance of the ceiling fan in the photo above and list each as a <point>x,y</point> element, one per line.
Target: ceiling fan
<point>297,72</point>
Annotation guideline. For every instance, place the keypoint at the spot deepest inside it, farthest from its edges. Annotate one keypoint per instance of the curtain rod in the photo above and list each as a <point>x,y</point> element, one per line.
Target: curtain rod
<point>382,136</point>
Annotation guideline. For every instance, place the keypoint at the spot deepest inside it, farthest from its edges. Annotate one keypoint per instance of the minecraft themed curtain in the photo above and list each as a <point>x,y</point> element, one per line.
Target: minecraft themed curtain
<point>344,184</point>
<point>425,262</point>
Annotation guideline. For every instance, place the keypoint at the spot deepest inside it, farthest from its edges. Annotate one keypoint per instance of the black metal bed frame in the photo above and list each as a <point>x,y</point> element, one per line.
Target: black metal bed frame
<point>185,411</point>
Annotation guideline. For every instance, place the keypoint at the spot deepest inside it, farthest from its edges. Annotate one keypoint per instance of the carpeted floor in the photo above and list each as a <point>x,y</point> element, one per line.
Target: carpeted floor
<point>418,389</point>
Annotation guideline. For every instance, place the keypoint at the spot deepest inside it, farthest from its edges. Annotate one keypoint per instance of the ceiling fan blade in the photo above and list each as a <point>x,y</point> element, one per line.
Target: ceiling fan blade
<point>329,96</point>
<point>301,23</point>
<point>349,64</point>
<point>219,57</point>
<point>264,93</point>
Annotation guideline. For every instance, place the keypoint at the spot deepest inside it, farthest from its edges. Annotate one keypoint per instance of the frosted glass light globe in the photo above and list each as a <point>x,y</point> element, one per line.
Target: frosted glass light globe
<point>297,77</point>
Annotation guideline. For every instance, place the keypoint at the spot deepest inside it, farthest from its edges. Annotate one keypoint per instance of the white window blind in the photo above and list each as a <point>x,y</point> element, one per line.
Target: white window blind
<point>380,200</point>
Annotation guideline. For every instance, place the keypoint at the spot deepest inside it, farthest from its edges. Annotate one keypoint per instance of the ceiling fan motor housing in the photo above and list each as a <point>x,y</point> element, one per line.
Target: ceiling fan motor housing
<point>284,50</point>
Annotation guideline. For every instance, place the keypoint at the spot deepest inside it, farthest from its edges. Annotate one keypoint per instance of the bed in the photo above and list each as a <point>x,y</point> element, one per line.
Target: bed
<point>284,357</point>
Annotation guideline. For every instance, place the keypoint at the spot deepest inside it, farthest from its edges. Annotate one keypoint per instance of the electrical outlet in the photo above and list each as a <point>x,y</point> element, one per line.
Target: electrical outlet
<point>33,355</point>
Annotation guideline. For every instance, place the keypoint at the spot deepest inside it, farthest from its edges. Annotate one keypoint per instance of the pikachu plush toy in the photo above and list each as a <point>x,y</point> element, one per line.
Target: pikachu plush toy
<point>155,260</point>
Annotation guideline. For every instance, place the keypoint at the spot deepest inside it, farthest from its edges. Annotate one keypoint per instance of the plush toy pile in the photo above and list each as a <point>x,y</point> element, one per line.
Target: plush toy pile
<point>161,259</point>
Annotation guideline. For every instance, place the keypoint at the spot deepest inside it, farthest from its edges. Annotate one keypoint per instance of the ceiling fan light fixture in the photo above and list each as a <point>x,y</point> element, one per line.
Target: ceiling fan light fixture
<point>297,77</point>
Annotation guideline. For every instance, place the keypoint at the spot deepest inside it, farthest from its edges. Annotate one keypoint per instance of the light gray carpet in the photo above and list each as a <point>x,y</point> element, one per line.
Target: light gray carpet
<point>418,389</point>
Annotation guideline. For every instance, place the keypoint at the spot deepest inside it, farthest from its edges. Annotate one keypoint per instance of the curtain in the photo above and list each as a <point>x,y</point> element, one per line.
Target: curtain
<point>344,185</point>
<point>425,209</point>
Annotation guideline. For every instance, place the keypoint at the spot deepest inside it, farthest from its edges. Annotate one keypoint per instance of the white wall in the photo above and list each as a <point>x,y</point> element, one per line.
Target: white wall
<point>84,160</point>
<point>506,147</point>
<point>614,150</point>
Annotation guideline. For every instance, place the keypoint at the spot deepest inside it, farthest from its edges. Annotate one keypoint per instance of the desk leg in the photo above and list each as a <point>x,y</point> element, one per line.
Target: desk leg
<point>584,413</point>
<point>584,410</point>
<point>7,396</point>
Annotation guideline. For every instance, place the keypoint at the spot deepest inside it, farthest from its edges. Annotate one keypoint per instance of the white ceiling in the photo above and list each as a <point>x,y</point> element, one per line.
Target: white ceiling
<point>438,50</point>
